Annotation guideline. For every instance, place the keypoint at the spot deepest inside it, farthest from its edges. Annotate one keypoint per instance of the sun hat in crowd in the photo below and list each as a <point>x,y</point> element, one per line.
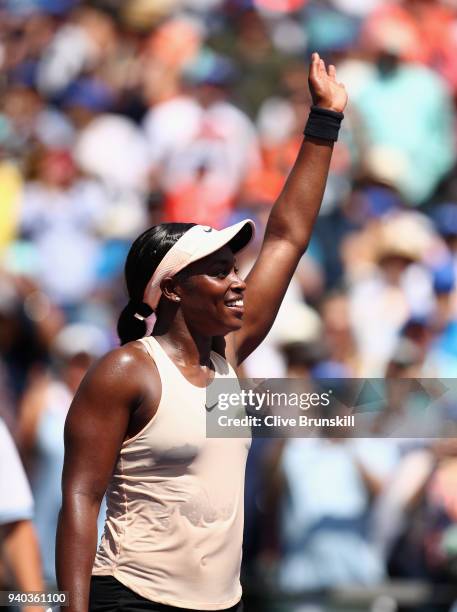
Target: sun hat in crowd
<point>80,338</point>
<point>408,235</point>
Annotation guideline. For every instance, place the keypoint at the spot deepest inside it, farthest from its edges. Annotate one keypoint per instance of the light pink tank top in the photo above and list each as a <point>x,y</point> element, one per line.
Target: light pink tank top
<point>174,525</point>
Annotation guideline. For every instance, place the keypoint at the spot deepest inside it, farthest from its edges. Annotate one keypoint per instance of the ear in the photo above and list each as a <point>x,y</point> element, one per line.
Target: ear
<point>170,289</point>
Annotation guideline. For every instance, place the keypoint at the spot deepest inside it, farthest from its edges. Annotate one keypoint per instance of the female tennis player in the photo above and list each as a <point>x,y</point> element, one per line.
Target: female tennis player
<point>136,428</point>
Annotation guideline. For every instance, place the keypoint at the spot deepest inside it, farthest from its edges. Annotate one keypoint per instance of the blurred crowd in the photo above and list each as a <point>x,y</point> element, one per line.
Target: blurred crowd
<point>116,115</point>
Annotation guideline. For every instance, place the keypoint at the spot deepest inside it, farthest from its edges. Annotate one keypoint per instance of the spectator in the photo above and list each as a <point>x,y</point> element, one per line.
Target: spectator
<point>396,131</point>
<point>43,411</point>
<point>324,532</point>
<point>18,541</point>
<point>60,215</point>
<point>388,293</point>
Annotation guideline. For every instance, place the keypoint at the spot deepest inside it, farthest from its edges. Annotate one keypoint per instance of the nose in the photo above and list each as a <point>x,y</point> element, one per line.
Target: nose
<point>237,283</point>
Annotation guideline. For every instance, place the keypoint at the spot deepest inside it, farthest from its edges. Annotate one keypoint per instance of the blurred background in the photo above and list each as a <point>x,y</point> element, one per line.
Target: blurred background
<point>119,114</point>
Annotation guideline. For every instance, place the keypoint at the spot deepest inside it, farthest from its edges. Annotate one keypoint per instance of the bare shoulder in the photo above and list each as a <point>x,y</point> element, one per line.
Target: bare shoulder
<point>101,413</point>
<point>124,365</point>
<point>122,376</point>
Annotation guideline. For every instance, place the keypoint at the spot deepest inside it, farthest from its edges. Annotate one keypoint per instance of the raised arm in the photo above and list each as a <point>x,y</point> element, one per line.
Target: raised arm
<point>97,423</point>
<point>291,221</point>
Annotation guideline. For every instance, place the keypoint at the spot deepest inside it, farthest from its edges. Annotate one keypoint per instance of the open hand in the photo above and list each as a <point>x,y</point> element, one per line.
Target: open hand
<point>325,90</point>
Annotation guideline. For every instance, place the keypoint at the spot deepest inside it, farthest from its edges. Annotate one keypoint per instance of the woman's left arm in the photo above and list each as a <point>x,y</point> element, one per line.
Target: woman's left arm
<point>290,223</point>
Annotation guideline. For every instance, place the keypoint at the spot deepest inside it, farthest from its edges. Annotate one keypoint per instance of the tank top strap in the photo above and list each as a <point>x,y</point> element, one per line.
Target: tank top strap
<point>163,363</point>
<point>147,345</point>
<point>223,368</point>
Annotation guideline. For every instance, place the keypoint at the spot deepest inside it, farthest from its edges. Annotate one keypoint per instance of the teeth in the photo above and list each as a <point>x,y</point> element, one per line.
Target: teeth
<point>235,303</point>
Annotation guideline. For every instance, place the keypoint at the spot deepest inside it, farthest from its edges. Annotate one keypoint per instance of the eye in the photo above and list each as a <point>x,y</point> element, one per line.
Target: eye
<point>221,273</point>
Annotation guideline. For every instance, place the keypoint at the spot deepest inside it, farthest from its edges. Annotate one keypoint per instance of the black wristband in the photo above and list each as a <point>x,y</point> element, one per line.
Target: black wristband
<point>323,124</point>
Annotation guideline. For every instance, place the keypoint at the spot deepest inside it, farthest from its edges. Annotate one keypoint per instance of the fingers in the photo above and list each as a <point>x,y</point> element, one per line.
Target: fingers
<point>314,66</point>
<point>322,70</point>
<point>318,68</point>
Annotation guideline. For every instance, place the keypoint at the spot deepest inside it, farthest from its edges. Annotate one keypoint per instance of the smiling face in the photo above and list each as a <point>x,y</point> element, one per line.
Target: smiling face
<point>211,294</point>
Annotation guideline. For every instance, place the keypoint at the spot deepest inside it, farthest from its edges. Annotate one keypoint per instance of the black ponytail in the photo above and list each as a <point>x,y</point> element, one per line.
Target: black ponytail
<point>144,256</point>
<point>129,327</point>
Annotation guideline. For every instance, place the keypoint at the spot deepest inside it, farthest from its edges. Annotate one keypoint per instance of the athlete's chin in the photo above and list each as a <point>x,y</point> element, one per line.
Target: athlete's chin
<point>236,318</point>
<point>231,325</point>
<point>222,326</point>
<point>236,325</point>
